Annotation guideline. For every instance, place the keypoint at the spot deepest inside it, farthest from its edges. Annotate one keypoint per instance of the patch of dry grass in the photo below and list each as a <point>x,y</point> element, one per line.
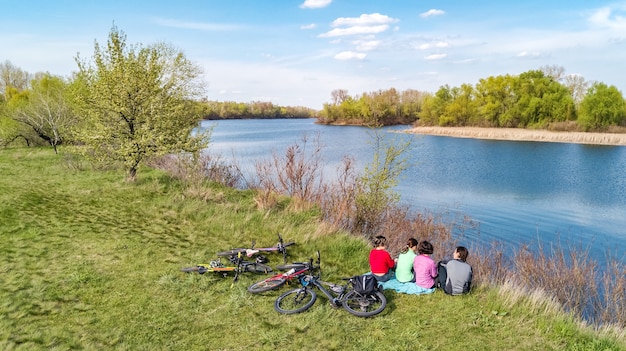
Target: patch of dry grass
<point>519,134</point>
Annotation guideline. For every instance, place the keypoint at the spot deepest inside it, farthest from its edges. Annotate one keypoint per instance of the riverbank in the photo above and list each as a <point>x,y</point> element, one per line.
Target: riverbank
<point>105,274</point>
<point>518,134</point>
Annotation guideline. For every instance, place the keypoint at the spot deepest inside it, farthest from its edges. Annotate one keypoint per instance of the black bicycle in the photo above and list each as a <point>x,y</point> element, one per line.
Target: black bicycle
<point>362,304</point>
<point>281,247</point>
<point>238,266</point>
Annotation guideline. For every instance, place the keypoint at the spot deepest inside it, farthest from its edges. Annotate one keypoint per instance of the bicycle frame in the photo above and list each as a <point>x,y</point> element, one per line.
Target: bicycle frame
<point>335,292</point>
<point>240,266</point>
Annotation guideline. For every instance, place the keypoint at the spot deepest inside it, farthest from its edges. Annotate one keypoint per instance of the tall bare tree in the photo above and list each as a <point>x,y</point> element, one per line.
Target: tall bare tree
<point>12,76</point>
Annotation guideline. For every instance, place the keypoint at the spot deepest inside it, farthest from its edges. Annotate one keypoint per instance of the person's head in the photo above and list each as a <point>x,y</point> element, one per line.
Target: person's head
<point>461,253</point>
<point>411,243</point>
<point>425,248</point>
<point>380,241</point>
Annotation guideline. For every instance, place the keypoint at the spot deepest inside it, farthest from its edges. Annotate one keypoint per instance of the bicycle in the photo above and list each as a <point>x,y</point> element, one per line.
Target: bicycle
<point>302,298</point>
<point>240,266</point>
<point>274,282</point>
<point>280,247</point>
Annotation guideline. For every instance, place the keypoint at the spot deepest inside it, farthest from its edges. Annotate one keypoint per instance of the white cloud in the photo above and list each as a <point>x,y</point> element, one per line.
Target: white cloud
<point>363,20</point>
<point>308,26</point>
<point>432,12</point>
<point>526,54</point>
<point>434,57</point>
<point>338,32</point>
<point>605,17</point>
<point>315,4</point>
<point>350,55</point>
<point>366,45</point>
<point>439,45</point>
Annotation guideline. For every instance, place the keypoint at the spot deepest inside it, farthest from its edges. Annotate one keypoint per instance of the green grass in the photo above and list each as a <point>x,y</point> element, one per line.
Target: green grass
<point>89,261</point>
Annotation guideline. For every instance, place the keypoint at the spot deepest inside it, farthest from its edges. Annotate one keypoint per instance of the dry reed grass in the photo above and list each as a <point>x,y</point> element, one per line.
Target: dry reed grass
<point>519,134</point>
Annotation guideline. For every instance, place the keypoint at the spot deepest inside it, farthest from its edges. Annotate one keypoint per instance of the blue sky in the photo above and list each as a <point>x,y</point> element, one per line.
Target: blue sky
<point>296,52</point>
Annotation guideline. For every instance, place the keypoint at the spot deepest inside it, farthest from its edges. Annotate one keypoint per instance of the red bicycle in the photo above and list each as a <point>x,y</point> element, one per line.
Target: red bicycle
<point>293,271</point>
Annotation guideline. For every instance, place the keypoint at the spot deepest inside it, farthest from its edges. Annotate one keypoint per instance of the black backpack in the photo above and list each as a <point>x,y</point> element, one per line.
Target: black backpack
<point>365,284</point>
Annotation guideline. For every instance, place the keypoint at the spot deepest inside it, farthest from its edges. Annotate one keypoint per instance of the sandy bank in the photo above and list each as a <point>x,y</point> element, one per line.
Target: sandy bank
<point>515,134</point>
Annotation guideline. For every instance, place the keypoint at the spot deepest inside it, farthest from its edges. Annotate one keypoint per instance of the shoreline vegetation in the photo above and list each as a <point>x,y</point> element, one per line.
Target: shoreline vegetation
<point>519,134</point>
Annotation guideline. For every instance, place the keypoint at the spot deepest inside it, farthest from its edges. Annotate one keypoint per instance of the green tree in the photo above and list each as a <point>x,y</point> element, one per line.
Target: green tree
<point>603,106</point>
<point>375,192</point>
<point>461,110</point>
<point>495,98</point>
<point>45,109</point>
<point>435,105</point>
<point>541,100</point>
<point>138,102</point>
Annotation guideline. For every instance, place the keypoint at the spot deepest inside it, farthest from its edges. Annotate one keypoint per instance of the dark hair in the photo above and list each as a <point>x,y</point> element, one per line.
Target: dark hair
<point>462,252</point>
<point>380,241</point>
<point>424,247</point>
<point>409,244</point>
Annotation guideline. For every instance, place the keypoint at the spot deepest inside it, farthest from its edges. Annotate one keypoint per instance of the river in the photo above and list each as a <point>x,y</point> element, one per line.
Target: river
<point>516,192</point>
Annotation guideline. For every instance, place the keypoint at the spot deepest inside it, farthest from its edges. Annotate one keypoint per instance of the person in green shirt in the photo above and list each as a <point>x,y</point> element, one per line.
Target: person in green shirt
<point>404,264</point>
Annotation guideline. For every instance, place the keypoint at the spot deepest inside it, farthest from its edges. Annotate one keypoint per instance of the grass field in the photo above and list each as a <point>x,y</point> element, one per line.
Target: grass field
<point>91,262</point>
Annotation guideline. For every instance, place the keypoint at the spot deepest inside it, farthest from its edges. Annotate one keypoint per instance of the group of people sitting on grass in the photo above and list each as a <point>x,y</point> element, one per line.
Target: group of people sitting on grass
<point>414,265</point>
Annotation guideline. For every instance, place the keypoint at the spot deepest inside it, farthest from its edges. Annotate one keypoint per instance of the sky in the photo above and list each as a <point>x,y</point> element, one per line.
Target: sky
<point>296,52</point>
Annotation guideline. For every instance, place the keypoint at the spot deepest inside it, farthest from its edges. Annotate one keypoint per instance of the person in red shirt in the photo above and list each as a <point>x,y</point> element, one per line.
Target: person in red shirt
<point>381,262</point>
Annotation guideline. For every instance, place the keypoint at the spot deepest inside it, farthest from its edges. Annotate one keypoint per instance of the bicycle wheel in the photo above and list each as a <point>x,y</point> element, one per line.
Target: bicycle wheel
<point>364,305</point>
<point>267,285</point>
<point>257,268</point>
<point>295,301</point>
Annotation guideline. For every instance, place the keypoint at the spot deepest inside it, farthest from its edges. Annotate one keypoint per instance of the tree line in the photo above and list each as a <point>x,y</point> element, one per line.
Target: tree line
<point>127,103</point>
<point>542,99</point>
<point>216,110</point>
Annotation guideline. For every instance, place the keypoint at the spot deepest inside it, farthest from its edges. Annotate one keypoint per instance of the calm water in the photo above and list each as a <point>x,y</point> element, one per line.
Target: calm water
<point>517,192</point>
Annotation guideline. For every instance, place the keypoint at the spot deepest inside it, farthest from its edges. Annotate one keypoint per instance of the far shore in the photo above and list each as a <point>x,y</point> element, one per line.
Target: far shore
<point>518,134</point>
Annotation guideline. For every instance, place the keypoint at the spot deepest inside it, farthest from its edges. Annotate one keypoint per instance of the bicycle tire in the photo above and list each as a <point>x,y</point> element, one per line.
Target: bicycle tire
<point>257,268</point>
<point>286,267</point>
<point>190,269</point>
<point>267,285</point>
<point>364,305</point>
<point>295,301</point>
